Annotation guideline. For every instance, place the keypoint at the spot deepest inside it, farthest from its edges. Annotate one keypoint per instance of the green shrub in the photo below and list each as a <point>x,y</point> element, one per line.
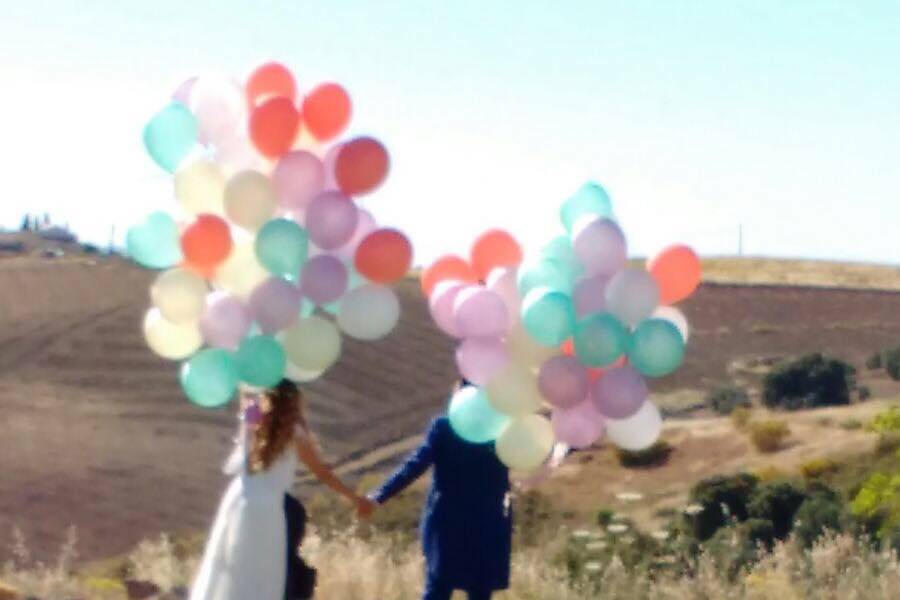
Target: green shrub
<point>809,382</point>
<point>851,424</point>
<point>878,502</point>
<point>823,510</point>
<point>863,393</point>
<point>875,362</point>
<point>725,398</point>
<point>731,492</point>
<point>654,456</point>
<point>769,435</point>
<point>886,421</point>
<point>892,363</point>
<point>736,548</point>
<point>777,503</point>
<point>740,417</point>
<point>605,516</point>
<point>888,443</point>
<point>818,467</point>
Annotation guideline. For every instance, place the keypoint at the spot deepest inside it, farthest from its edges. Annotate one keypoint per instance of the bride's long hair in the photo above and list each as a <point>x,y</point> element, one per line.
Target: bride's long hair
<point>280,411</point>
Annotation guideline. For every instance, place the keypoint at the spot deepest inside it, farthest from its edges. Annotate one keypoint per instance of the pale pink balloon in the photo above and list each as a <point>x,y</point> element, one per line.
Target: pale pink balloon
<point>183,92</point>
<point>503,281</point>
<point>331,220</point>
<point>479,312</point>
<point>479,359</point>
<point>225,321</point>
<point>328,163</point>
<point>365,224</point>
<point>590,295</point>
<point>275,305</point>
<point>580,426</point>
<point>324,279</point>
<point>298,178</point>
<point>441,306</point>
<point>620,392</point>
<point>600,245</point>
<point>564,381</point>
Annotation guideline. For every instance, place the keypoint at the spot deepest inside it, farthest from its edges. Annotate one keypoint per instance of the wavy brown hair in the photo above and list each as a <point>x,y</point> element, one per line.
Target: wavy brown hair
<point>281,410</point>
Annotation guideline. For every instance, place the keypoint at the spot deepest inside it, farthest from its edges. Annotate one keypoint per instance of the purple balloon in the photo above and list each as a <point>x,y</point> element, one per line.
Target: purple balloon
<point>298,178</point>
<point>580,426</point>
<point>225,321</point>
<point>331,220</point>
<point>590,295</point>
<point>365,224</point>
<point>479,312</point>
<point>183,93</point>
<point>479,359</point>
<point>564,382</point>
<point>441,306</point>
<point>275,305</point>
<point>600,245</point>
<point>620,392</point>
<point>324,279</point>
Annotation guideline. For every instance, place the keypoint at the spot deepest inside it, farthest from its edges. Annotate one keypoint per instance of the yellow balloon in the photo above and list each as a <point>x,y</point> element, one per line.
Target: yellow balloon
<point>312,344</point>
<point>200,187</point>
<point>241,272</point>
<point>175,341</point>
<point>526,442</point>
<point>250,199</point>
<point>524,350</point>
<point>179,295</point>
<point>514,390</point>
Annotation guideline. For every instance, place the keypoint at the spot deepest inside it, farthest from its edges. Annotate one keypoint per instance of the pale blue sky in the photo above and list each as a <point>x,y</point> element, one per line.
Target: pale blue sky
<point>695,115</point>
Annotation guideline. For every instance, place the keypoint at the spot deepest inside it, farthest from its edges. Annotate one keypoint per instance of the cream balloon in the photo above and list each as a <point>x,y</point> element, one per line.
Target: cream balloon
<point>180,295</point>
<point>200,187</point>
<point>369,312</point>
<point>175,341</point>
<point>250,199</point>
<point>637,432</point>
<point>242,272</point>
<point>676,318</point>
<point>312,344</point>
<point>525,350</point>
<point>526,442</point>
<point>514,390</point>
<point>295,373</point>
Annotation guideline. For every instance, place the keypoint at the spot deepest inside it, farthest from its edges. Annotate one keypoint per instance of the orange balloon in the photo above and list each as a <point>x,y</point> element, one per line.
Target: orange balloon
<point>274,126</point>
<point>271,80</point>
<point>384,256</point>
<point>495,248</point>
<point>595,373</point>
<point>568,347</point>
<point>445,268</point>
<point>361,166</point>
<point>206,243</point>
<point>326,111</point>
<point>677,271</point>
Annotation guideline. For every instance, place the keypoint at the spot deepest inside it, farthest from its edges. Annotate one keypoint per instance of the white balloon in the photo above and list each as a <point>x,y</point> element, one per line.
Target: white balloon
<point>637,432</point>
<point>179,295</point>
<point>369,312</point>
<point>220,106</point>
<point>503,281</point>
<point>241,272</point>
<point>200,187</point>
<point>632,295</point>
<point>174,341</point>
<point>526,442</point>
<point>676,318</point>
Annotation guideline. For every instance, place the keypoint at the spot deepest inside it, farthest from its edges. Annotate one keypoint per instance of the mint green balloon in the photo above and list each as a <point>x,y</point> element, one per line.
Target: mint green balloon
<point>170,135</point>
<point>261,361</point>
<point>560,248</point>
<point>590,199</point>
<point>473,418</point>
<point>282,247</point>
<point>600,340</point>
<point>656,348</point>
<point>210,378</point>
<point>155,243</point>
<point>548,316</point>
<point>547,272</point>
<point>307,308</point>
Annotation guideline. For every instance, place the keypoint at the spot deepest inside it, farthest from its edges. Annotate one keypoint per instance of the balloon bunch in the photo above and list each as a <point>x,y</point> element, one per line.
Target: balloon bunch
<point>265,231</point>
<point>574,327</point>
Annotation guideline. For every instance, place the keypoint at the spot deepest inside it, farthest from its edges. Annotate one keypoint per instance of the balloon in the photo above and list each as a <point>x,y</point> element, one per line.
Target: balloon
<point>479,359</point>
<point>179,295</point>
<point>326,110</point>
<point>331,220</point>
<point>503,282</point>
<point>563,381</point>
<point>261,361</point>
<point>591,199</point>
<point>546,272</point>
<point>480,312</point>
<point>324,279</point>
<point>275,305</point>
<point>526,442</point>
<point>313,344</point>
<point>513,390</point>
<point>183,92</point>
<point>441,305</point>
<point>250,199</point>
<point>365,224</point>
<point>200,187</point>
<point>282,247</point>
<point>446,268</point>
<point>548,316</point>
<point>225,321</point>
<point>637,432</point>
<point>526,351</point>
<point>600,340</point>
<point>676,318</point>
<point>619,393</point>
<point>274,125</point>
<point>472,418</point>
<point>295,373</point>
<point>154,244</point>
<point>298,177</point>
<point>361,166</point>
<point>237,154</point>
<point>170,136</point>
<point>384,256</point>
<point>600,245</point>
<point>271,80</point>
<point>369,312</point>
<point>678,271</point>
<point>328,165</point>
<point>206,243</point>
<point>632,296</point>
<point>560,249</point>
<point>210,378</point>
<point>242,272</point>
<point>174,341</point>
<point>218,102</point>
<point>590,295</point>
<point>656,348</point>
<point>580,426</point>
<point>492,249</point>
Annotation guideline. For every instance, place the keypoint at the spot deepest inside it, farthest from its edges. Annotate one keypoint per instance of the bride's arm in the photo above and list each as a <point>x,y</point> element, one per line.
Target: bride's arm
<point>309,455</point>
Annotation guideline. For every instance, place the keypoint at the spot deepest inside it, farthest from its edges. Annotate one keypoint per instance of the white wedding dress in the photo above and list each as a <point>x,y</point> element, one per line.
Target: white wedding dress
<point>246,555</point>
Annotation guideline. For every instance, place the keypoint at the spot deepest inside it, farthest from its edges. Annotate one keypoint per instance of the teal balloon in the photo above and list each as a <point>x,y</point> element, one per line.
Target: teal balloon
<point>656,348</point>
<point>307,308</point>
<point>261,361</point>
<point>591,199</point>
<point>170,135</point>
<point>473,418</point>
<point>549,273</point>
<point>600,340</point>
<point>210,378</point>
<point>560,248</point>
<point>282,247</point>
<point>548,316</point>
<point>155,243</point>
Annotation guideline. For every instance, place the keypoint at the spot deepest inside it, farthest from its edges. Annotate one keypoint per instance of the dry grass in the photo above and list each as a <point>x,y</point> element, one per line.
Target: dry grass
<point>769,271</point>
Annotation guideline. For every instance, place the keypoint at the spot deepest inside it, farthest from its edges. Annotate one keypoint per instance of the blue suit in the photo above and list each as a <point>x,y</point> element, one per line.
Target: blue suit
<point>467,521</point>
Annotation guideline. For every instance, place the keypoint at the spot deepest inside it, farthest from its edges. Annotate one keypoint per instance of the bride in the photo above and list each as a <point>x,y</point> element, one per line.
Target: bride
<point>245,554</point>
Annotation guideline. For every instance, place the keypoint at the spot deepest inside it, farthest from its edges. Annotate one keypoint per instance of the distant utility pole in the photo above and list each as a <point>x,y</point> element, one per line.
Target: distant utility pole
<point>112,238</point>
<point>740,239</point>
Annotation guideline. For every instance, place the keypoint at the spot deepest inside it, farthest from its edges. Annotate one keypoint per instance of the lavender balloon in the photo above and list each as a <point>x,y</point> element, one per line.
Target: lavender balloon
<point>590,295</point>
<point>600,245</point>
<point>225,321</point>
<point>183,93</point>
<point>580,426</point>
<point>564,382</point>
<point>298,178</point>
<point>480,312</point>
<point>365,224</point>
<point>632,295</point>
<point>331,220</point>
<point>503,281</point>
<point>479,359</point>
<point>324,279</point>
<point>441,306</point>
<point>620,392</point>
<point>275,305</point>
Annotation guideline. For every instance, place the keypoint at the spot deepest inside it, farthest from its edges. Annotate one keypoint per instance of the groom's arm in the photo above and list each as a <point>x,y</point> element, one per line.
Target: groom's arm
<point>417,463</point>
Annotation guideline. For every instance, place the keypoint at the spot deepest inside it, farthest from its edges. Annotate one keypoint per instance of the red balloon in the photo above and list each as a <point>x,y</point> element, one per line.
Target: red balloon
<point>271,80</point>
<point>495,248</point>
<point>677,271</point>
<point>361,166</point>
<point>384,256</point>
<point>447,268</point>
<point>326,111</point>
<point>274,126</point>
<point>206,243</point>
